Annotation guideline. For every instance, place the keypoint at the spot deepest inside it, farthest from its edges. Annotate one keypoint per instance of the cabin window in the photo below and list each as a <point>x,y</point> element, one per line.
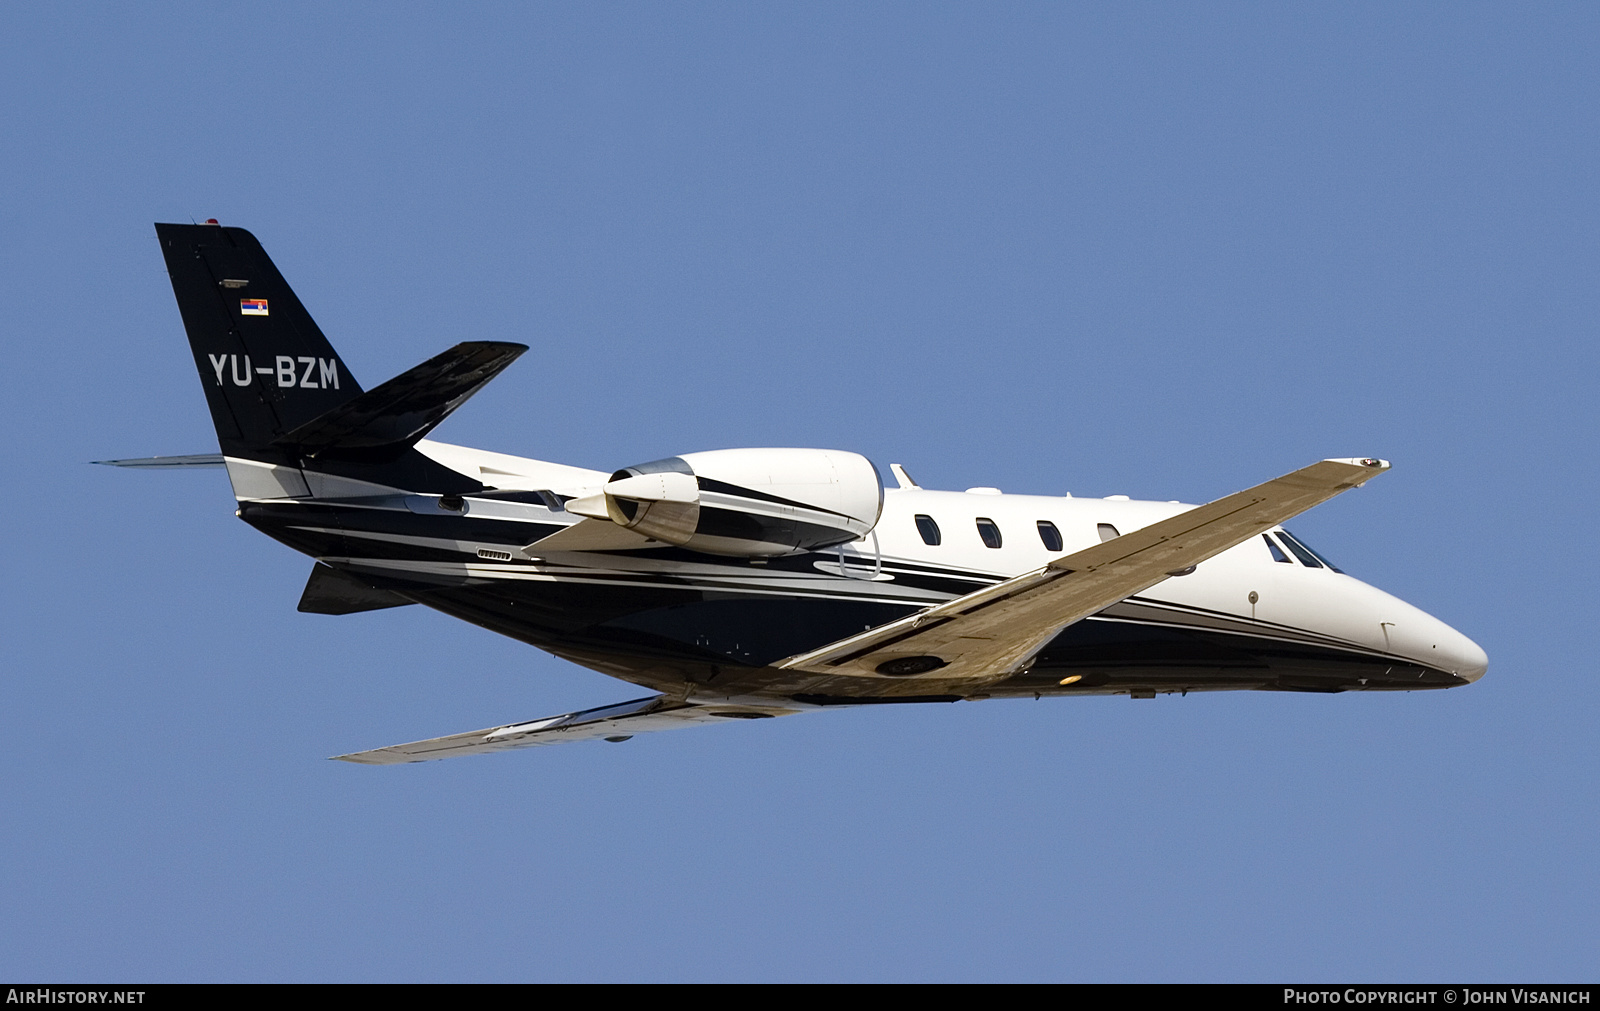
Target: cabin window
<point>1301,552</point>
<point>928,529</point>
<point>989,532</point>
<point>1106,531</point>
<point>1297,545</point>
<point>1050,535</point>
<point>1277,552</point>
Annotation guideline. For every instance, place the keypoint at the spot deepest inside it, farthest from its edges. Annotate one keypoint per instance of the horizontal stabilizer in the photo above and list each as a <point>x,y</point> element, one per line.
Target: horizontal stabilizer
<point>331,591</point>
<point>197,461</point>
<point>613,723</point>
<point>394,416</point>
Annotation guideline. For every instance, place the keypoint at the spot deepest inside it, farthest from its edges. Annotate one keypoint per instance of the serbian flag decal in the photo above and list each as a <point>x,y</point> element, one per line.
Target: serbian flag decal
<point>253,306</point>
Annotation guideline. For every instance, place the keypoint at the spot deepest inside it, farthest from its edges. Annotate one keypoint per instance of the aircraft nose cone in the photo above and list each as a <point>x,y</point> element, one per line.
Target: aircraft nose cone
<point>1463,657</point>
<point>1413,633</point>
<point>1443,648</point>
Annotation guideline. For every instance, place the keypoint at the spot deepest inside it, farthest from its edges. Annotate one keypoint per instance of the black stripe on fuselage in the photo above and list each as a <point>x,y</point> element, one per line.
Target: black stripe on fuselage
<point>321,528</point>
<point>1171,612</point>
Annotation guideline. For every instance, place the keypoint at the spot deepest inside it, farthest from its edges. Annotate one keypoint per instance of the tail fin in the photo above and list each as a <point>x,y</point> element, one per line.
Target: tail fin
<point>266,368</point>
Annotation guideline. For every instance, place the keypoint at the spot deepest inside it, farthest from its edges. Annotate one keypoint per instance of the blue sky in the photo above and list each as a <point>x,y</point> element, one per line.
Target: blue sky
<point>1159,250</point>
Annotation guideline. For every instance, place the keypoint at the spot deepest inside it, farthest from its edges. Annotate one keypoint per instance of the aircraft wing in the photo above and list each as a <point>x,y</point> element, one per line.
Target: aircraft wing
<point>997,630</point>
<point>614,723</point>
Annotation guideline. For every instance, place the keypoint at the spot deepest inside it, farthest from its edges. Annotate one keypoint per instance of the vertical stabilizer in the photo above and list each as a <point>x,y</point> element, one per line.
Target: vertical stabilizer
<point>265,366</point>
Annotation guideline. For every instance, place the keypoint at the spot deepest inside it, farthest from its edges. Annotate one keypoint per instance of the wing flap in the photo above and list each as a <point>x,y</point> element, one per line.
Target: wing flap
<point>995,631</point>
<point>616,722</point>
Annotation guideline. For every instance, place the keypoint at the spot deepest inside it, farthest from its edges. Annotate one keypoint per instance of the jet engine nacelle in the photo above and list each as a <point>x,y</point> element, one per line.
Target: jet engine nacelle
<point>748,502</point>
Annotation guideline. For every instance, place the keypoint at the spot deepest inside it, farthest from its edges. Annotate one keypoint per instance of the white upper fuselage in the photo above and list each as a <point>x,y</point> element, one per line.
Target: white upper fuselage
<point>1290,594</point>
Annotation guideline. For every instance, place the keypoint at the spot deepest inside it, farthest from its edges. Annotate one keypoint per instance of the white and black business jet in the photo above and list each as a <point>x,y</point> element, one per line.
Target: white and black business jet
<point>743,584</point>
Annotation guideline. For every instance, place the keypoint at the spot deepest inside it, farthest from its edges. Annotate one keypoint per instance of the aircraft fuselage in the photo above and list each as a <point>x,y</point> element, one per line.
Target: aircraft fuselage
<point>1263,615</point>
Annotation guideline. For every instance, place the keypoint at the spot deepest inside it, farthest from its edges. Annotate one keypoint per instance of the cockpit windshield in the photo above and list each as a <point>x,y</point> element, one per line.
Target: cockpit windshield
<point>1302,550</point>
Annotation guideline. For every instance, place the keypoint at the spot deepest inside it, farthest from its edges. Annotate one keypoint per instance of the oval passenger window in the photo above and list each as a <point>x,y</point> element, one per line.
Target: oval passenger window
<point>1106,531</point>
<point>989,532</point>
<point>928,529</point>
<point>1050,535</point>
